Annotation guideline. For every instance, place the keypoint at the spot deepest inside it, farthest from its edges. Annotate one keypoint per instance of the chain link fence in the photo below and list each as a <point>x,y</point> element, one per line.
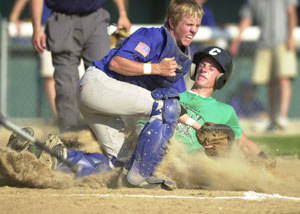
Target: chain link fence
<point>23,95</point>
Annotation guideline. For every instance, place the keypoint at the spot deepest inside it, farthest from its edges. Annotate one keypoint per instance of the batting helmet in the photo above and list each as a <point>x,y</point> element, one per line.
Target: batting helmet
<point>222,57</point>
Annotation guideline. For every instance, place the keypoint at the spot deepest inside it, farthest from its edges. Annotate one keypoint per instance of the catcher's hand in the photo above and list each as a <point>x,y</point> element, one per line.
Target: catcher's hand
<point>116,38</point>
<point>215,138</point>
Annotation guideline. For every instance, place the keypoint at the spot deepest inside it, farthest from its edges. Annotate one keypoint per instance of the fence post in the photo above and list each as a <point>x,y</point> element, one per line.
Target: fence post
<point>4,62</point>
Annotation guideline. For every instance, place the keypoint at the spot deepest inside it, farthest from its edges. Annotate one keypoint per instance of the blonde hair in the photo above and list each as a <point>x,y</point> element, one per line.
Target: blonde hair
<point>177,9</point>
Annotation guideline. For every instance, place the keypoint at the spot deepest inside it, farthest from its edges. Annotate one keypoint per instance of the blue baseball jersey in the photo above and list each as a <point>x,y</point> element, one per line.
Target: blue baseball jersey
<point>150,45</point>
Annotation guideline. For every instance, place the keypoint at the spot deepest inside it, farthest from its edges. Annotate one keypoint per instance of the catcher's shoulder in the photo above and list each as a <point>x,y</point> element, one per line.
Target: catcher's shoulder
<point>149,30</point>
<point>150,34</point>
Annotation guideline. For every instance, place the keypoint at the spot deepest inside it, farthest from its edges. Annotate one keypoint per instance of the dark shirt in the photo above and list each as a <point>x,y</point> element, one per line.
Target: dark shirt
<point>46,14</point>
<point>208,18</point>
<point>75,6</point>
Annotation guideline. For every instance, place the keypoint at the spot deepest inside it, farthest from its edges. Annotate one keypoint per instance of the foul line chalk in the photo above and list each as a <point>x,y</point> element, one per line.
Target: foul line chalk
<point>251,195</point>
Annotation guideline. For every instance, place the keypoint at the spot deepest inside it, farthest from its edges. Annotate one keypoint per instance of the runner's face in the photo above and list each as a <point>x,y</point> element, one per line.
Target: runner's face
<point>207,72</point>
<point>186,30</point>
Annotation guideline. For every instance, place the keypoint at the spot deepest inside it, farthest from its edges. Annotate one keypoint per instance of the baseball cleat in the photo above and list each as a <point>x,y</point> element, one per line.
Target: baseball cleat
<point>133,176</point>
<point>56,146</point>
<point>19,143</point>
<point>163,182</point>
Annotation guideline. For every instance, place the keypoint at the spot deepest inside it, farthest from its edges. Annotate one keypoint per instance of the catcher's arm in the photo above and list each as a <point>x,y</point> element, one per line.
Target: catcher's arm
<point>121,65</point>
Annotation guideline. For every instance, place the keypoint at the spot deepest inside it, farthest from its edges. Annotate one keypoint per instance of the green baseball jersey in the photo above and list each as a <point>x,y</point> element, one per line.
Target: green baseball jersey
<point>204,110</point>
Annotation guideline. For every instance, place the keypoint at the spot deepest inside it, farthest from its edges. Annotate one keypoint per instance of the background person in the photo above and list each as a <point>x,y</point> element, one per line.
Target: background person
<point>75,30</point>
<point>275,61</point>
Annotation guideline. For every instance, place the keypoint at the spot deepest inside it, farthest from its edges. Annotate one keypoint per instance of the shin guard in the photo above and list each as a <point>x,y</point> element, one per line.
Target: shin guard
<point>152,143</point>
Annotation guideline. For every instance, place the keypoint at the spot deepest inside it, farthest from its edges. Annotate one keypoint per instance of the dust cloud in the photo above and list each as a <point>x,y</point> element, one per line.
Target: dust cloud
<point>25,170</point>
<point>237,172</point>
<point>189,171</point>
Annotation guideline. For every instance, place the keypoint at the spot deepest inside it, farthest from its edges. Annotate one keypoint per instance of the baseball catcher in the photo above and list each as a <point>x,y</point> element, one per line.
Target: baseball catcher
<point>216,139</point>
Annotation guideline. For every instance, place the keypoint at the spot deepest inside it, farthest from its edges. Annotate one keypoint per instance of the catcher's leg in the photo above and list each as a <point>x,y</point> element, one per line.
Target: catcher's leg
<point>152,142</point>
<point>98,104</point>
<point>109,131</point>
<point>88,163</point>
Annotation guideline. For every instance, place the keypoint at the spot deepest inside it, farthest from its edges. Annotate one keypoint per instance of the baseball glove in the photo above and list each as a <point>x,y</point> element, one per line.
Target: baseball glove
<point>116,39</point>
<point>216,139</point>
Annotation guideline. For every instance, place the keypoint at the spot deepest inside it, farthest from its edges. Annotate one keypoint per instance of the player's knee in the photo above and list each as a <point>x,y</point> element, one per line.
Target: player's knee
<point>171,111</point>
<point>165,93</point>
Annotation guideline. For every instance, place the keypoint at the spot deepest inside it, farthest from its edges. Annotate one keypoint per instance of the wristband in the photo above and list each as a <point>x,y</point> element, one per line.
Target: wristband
<point>147,68</point>
<point>190,121</point>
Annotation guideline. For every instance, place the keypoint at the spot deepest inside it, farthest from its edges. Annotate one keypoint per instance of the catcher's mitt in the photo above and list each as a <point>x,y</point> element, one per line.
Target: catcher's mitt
<point>116,39</point>
<point>215,138</point>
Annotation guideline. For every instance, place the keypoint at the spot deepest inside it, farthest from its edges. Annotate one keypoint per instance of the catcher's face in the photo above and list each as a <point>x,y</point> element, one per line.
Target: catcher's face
<point>185,31</point>
<point>201,1</point>
<point>207,73</point>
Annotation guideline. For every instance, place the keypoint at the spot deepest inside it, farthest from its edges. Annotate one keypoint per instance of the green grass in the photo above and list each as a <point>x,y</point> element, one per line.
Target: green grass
<point>279,146</point>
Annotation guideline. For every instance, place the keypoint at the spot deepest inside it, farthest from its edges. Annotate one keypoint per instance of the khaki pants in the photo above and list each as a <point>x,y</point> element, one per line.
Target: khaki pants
<point>273,63</point>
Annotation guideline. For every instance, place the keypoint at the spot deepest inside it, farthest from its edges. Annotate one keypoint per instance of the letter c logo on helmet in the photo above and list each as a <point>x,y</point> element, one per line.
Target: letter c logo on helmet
<point>222,57</point>
<point>215,51</point>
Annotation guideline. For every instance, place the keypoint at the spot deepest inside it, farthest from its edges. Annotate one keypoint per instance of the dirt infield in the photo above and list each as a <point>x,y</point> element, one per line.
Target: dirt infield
<point>204,185</point>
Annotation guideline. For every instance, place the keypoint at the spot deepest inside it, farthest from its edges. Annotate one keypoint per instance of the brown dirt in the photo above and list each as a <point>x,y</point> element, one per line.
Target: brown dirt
<point>204,185</point>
